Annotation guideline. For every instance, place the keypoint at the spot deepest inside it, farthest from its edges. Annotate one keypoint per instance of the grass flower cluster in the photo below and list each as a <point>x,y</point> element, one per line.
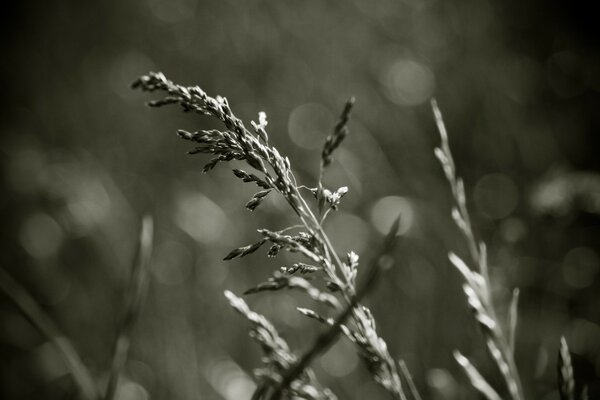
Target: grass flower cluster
<point>286,375</point>
<point>272,172</point>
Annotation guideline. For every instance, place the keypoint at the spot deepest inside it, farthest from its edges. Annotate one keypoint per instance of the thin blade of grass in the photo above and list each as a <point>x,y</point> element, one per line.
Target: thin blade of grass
<point>137,294</point>
<point>409,381</point>
<point>32,311</point>
<point>478,280</point>
<point>476,379</point>
<point>327,338</point>
<point>339,134</point>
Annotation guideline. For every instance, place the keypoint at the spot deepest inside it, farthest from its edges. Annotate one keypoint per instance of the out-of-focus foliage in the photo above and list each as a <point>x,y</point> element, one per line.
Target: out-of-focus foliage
<point>83,159</point>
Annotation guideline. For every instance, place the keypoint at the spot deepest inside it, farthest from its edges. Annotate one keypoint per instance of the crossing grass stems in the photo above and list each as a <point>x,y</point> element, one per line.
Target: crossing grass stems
<point>284,374</point>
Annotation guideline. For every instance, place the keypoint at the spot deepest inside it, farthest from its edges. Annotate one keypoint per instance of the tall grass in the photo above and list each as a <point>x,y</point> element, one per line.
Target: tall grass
<point>334,282</point>
<point>284,374</point>
<point>499,335</point>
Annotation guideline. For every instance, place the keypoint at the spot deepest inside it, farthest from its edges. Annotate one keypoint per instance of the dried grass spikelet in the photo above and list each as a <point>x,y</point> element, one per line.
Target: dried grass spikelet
<point>476,379</point>
<point>273,173</point>
<point>278,357</point>
<point>499,337</point>
<point>566,380</point>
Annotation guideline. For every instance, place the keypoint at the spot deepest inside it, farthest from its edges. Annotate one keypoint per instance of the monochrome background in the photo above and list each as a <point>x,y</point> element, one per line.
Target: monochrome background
<point>83,159</point>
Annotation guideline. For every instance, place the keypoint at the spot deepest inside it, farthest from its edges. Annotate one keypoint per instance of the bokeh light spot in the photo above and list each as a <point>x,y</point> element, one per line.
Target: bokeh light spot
<point>385,211</point>
<point>41,236</point>
<point>229,380</point>
<point>580,267</point>
<point>348,232</point>
<point>132,391</point>
<point>200,217</point>
<point>583,336</point>
<point>309,125</point>
<point>49,362</point>
<point>512,230</point>
<point>172,263</point>
<point>340,360</point>
<point>408,82</point>
<point>172,11</point>
<point>239,387</point>
<point>496,196</point>
<point>89,203</point>
<point>440,381</point>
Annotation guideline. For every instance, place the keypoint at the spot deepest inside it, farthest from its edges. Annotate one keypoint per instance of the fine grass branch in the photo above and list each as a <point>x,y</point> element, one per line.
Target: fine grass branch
<point>278,359</point>
<point>327,338</point>
<point>136,296</point>
<point>273,173</point>
<point>566,375</point>
<point>477,287</point>
<point>500,336</point>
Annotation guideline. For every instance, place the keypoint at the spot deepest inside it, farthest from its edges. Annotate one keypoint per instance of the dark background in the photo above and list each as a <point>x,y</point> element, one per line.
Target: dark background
<point>83,159</point>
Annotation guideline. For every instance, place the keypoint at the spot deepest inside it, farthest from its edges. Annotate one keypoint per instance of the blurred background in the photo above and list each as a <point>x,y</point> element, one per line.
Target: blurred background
<point>83,159</point>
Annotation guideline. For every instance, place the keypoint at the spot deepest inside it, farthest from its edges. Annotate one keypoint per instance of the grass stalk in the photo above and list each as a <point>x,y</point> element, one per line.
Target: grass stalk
<point>478,283</point>
<point>137,293</point>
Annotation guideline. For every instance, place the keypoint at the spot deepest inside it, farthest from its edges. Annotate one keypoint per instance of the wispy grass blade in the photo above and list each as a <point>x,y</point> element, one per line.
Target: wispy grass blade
<point>409,381</point>
<point>333,141</point>
<point>278,360</point>
<point>500,342</point>
<point>340,132</point>
<point>137,294</point>
<point>327,338</point>
<point>476,379</point>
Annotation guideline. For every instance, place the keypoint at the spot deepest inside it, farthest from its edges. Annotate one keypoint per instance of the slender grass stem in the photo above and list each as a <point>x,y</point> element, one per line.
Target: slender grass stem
<point>500,348</point>
<point>137,293</point>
